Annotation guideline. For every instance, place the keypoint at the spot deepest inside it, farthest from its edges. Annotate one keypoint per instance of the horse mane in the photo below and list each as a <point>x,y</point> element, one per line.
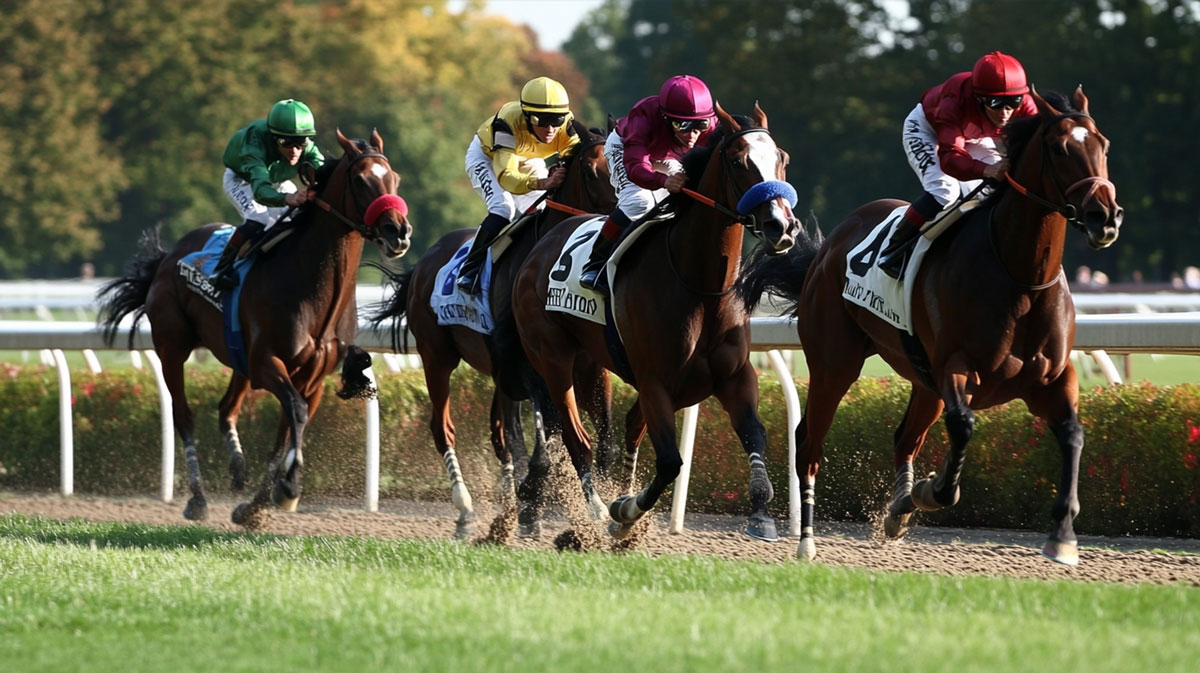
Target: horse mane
<point>325,172</point>
<point>696,160</point>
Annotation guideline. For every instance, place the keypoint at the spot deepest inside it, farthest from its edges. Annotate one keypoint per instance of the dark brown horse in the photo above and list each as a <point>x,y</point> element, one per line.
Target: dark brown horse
<point>686,334</point>
<point>297,311</point>
<point>587,188</point>
<point>991,313</point>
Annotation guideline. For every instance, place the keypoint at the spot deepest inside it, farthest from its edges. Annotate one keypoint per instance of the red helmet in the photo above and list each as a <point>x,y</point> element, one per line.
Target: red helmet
<point>998,74</point>
<point>685,97</point>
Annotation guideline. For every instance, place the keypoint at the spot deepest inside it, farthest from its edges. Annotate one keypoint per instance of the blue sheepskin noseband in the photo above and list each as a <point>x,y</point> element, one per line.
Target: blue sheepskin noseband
<point>765,191</point>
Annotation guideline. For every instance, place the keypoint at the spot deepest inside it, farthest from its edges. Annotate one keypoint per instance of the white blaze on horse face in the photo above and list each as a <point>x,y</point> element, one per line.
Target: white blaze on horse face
<point>764,155</point>
<point>379,171</point>
<point>1080,134</point>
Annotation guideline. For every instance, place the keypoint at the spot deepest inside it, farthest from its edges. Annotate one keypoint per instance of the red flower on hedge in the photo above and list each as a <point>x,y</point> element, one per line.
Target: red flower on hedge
<point>1190,461</point>
<point>1193,433</point>
<point>88,388</point>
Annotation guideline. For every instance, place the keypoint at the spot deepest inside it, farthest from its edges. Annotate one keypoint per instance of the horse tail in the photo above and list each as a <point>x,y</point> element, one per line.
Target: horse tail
<point>781,275</point>
<point>127,294</point>
<point>394,307</point>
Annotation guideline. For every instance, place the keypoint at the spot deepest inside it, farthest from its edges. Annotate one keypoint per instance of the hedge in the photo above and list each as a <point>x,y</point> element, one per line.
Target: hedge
<point>1139,472</point>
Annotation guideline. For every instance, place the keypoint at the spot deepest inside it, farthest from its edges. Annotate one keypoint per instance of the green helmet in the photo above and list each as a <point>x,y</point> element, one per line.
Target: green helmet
<point>290,117</point>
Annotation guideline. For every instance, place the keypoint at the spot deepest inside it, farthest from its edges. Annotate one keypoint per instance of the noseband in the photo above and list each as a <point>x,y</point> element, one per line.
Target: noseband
<point>1068,210</point>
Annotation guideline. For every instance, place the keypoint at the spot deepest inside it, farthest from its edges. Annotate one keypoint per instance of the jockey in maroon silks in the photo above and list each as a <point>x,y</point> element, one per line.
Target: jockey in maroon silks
<point>643,154</point>
<point>953,140</point>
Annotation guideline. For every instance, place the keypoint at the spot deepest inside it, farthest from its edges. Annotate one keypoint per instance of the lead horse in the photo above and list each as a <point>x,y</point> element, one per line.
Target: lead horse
<point>991,313</point>
<point>297,312</point>
<point>686,334</point>
<point>442,347</point>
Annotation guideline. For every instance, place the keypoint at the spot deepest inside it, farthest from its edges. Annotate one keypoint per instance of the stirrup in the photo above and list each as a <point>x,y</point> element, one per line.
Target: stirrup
<point>469,284</point>
<point>226,280</point>
<point>894,264</point>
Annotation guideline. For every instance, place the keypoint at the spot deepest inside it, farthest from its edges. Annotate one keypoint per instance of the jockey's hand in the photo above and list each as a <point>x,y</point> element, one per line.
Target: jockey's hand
<point>997,170</point>
<point>297,199</point>
<point>675,182</point>
<point>556,177</point>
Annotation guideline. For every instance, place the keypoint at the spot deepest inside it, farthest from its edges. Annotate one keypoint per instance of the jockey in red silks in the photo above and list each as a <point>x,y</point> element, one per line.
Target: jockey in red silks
<point>643,154</point>
<point>953,139</point>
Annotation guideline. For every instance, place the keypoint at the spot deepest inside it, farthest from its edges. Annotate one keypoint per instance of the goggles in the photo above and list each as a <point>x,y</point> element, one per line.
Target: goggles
<point>685,125</point>
<point>999,102</point>
<point>547,119</point>
<point>291,141</point>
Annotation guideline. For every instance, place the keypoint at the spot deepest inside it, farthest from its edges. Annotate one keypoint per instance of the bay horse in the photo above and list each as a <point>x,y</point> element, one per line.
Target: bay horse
<point>686,334</point>
<point>992,316</point>
<point>586,187</point>
<point>297,311</point>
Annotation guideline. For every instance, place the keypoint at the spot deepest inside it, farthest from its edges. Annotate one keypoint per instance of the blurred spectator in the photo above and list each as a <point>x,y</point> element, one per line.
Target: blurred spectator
<point>1137,277</point>
<point>1083,277</point>
<point>1191,278</point>
<point>87,271</point>
<point>1176,280</point>
<point>1099,279</point>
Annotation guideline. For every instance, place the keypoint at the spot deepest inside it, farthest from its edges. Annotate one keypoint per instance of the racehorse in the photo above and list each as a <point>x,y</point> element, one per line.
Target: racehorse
<point>586,187</point>
<point>992,316</point>
<point>686,334</point>
<point>297,311</point>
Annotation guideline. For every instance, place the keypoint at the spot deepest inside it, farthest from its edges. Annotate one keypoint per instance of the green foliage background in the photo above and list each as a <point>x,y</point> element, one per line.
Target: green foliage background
<point>113,115</point>
<point>1140,472</point>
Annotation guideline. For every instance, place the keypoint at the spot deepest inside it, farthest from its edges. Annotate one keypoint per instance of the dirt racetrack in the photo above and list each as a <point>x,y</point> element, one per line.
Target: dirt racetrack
<point>926,549</point>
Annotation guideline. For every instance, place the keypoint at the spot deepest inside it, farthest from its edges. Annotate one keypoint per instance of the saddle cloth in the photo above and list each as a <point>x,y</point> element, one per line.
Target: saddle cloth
<point>455,307</point>
<point>196,267</point>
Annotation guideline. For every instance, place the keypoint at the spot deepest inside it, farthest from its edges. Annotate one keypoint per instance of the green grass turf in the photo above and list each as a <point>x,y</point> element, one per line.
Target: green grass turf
<point>80,596</point>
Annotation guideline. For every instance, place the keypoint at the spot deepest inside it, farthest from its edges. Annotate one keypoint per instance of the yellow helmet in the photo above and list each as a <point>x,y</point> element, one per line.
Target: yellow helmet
<point>542,94</point>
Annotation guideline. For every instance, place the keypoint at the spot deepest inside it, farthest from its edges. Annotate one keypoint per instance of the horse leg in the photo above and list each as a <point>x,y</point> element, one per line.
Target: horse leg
<point>514,440</point>
<point>1059,405</point>
<point>561,386</point>
<point>941,490</point>
<point>172,366</point>
<point>437,382</point>
<point>529,493</point>
<point>229,410</point>
<point>659,414</point>
<point>284,490</point>
<point>827,385</point>
<point>597,402</point>
<point>924,408</point>
<point>739,397</point>
<point>635,430</point>
<point>504,412</point>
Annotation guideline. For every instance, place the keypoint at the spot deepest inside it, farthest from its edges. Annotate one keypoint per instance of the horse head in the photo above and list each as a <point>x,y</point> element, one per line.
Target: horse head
<point>1072,173</point>
<point>755,170</point>
<point>587,185</point>
<point>365,197</point>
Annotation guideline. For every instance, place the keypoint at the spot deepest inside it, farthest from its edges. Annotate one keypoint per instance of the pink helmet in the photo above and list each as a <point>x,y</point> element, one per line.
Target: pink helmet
<point>998,74</point>
<point>685,97</point>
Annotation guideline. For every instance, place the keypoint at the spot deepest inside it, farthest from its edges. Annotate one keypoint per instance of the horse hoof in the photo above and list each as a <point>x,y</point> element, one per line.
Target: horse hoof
<point>807,550</point>
<point>625,509</point>
<point>619,531</point>
<point>896,527</point>
<point>283,498</point>
<point>1066,553</point>
<point>463,530</point>
<point>196,510</point>
<point>531,530</point>
<point>762,527</point>
<point>597,510</point>
<point>247,516</point>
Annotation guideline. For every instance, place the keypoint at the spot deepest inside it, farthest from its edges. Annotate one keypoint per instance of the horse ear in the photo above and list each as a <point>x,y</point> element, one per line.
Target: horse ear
<point>347,146</point>
<point>612,123</point>
<point>376,140</point>
<point>1081,101</point>
<point>1044,108</point>
<point>726,119</point>
<point>759,116</point>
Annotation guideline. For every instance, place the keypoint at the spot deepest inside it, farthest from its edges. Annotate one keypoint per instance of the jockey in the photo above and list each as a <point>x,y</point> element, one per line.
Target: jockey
<point>506,157</point>
<point>260,161</point>
<point>953,139</point>
<point>643,154</point>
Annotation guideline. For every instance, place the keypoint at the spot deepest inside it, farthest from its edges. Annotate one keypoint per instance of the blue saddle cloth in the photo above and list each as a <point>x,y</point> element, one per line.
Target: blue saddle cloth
<point>205,261</point>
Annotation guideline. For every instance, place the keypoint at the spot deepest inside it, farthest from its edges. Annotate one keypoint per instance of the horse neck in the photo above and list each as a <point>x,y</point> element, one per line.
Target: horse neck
<point>327,260</point>
<point>706,250</point>
<point>1028,237</point>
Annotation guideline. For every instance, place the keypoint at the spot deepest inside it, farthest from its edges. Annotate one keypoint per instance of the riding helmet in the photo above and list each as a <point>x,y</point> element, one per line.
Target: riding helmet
<point>685,97</point>
<point>290,117</point>
<point>542,94</point>
<point>998,74</point>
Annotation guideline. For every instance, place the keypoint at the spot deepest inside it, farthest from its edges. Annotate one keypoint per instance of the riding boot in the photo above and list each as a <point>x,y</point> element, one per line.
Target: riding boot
<point>469,275</point>
<point>894,256</point>
<point>594,267</point>
<point>223,276</point>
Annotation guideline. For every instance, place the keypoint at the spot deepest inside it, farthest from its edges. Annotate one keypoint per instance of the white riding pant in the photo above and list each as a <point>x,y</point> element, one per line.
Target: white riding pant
<point>920,146</point>
<point>500,201</point>
<point>633,200</point>
<point>241,195</point>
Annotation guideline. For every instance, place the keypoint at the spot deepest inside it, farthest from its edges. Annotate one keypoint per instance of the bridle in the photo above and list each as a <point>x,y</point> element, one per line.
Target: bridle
<point>370,214</point>
<point>1068,210</point>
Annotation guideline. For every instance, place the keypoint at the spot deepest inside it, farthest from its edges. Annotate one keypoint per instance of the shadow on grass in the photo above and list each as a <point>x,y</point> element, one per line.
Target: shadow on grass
<point>121,535</point>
